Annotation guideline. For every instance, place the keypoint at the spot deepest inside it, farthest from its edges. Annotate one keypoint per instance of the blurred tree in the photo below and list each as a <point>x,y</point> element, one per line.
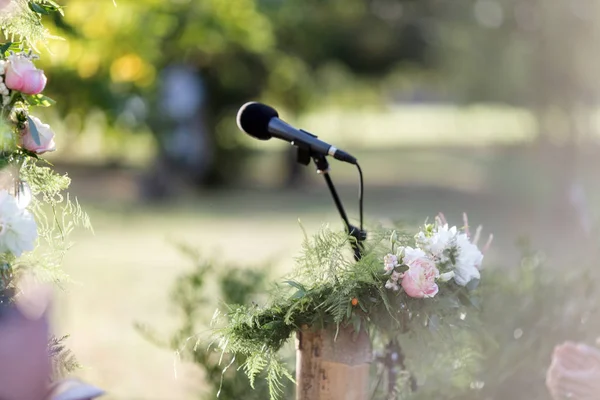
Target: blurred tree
<point>240,49</point>
<point>534,54</point>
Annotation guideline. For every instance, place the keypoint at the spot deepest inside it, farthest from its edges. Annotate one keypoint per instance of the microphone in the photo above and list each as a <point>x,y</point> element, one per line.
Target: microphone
<point>262,122</point>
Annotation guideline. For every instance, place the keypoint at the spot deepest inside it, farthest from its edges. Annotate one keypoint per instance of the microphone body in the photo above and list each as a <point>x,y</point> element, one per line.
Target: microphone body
<point>262,122</point>
<point>285,131</point>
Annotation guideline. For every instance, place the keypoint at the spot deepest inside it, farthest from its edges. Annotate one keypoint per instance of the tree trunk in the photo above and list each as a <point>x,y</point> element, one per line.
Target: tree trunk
<point>330,367</point>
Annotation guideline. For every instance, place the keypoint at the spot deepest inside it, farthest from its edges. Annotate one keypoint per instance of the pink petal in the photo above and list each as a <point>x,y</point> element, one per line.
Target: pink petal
<point>13,81</point>
<point>442,218</point>
<point>477,235</point>
<point>34,82</point>
<point>487,245</point>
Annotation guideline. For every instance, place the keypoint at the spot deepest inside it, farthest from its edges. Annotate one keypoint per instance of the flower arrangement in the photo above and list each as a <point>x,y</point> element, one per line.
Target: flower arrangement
<point>422,287</point>
<point>441,254</point>
<point>36,216</point>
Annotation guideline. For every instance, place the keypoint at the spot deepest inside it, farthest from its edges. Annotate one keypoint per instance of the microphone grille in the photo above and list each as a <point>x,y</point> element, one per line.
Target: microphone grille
<point>253,118</point>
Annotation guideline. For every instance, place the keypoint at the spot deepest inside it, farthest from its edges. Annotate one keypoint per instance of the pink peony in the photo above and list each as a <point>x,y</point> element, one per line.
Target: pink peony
<point>46,135</point>
<point>410,255</point>
<point>419,280</point>
<point>23,76</point>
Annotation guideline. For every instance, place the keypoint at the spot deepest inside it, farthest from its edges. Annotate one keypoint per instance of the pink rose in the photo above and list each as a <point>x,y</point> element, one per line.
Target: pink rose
<point>23,76</point>
<point>45,133</point>
<point>419,280</point>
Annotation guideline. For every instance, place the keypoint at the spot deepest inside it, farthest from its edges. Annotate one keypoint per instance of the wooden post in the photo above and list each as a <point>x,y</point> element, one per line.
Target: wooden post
<point>330,368</point>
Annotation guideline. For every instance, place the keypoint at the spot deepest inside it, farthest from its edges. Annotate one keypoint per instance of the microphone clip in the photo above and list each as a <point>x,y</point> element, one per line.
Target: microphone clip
<point>304,154</point>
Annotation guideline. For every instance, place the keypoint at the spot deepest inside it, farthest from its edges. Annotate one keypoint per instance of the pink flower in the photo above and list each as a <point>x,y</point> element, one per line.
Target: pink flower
<point>45,133</point>
<point>410,255</point>
<point>23,76</point>
<point>419,280</point>
<point>390,262</point>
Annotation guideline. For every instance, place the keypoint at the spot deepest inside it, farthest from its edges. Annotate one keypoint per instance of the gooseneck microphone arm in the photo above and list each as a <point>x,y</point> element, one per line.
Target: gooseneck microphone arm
<point>305,154</point>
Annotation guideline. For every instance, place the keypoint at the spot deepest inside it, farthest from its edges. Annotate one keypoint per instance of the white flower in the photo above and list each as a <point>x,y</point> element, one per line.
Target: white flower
<point>410,255</point>
<point>18,230</point>
<point>441,239</point>
<point>390,262</point>
<point>24,195</point>
<point>468,261</point>
<point>445,277</point>
<point>395,276</point>
<point>392,285</point>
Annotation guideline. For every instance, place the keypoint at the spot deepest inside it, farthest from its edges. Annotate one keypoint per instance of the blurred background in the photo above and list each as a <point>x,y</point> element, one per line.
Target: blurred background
<point>483,106</point>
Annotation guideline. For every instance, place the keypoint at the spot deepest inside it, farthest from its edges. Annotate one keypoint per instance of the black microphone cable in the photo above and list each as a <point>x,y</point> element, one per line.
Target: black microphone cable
<point>361,192</point>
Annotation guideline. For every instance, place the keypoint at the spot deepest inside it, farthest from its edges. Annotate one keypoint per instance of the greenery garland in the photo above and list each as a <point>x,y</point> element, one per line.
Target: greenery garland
<point>423,287</point>
<point>36,213</point>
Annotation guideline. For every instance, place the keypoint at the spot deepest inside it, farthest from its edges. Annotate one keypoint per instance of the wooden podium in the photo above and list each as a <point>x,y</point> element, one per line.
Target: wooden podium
<point>330,368</point>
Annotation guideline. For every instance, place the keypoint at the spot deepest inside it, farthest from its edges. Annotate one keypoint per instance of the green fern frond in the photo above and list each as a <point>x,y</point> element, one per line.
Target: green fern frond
<point>56,214</point>
<point>275,374</point>
<point>45,181</point>
<point>254,365</point>
<point>63,359</point>
<point>19,22</point>
<point>44,266</point>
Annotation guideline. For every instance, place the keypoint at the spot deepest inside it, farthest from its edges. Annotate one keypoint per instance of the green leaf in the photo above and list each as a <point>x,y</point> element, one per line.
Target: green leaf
<point>362,307</point>
<point>450,302</point>
<point>271,325</point>
<point>11,46</point>
<point>469,301</point>
<point>34,131</point>
<point>296,285</point>
<point>433,323</point>
<point>4,48</point>
<point>29,153</point>
<point>53,6</point>
<point>473,283</point>
<point>475,302</point>
<point>35,7</point>
<point>39,100</point>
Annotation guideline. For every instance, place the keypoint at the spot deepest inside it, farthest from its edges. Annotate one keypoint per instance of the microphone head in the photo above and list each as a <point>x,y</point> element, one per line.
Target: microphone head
<point>253,118</point>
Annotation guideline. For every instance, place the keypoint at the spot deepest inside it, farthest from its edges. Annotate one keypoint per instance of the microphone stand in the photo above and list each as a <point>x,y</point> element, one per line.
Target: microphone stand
<point>304,156</point>
<point>393,359</point>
